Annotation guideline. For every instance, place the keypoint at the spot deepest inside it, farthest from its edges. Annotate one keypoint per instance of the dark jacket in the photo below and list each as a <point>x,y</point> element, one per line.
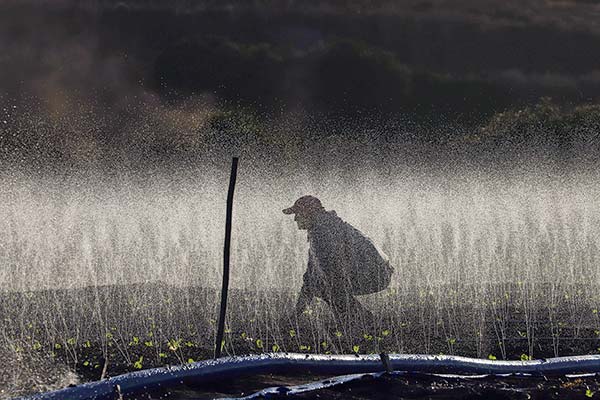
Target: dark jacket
<point>343,258</point>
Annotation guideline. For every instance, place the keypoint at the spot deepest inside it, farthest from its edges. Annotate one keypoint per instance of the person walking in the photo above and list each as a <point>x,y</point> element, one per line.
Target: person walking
<point>342,261</point>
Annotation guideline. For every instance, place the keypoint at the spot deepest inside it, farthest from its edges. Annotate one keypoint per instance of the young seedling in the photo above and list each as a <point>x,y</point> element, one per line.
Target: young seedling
<point>138,364</point>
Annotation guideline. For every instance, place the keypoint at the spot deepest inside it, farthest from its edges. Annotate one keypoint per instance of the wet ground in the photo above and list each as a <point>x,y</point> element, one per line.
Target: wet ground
<point>151,326</point>
<point>394,386</point>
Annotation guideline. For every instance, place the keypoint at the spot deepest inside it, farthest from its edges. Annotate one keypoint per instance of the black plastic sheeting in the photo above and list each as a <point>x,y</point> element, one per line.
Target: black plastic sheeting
<point>277,392</point>
<point>308,387</point>
<point>230,367</point>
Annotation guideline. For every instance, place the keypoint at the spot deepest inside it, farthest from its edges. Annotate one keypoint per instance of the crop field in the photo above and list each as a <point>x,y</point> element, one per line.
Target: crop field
<point>451,134</point>
<point>112,276</point>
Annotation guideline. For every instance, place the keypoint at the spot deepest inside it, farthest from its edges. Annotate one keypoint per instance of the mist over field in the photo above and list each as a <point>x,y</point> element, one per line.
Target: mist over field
<point>462,137</point>
<point>437,228</point>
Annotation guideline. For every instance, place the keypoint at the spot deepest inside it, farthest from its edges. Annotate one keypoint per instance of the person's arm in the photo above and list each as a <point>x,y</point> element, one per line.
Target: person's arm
<point>304,298</point>
<point>307,293</point>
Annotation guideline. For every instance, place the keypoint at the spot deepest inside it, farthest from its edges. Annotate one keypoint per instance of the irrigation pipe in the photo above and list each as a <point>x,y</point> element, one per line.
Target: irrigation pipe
<point>230,367</point>
<point>226,250</point>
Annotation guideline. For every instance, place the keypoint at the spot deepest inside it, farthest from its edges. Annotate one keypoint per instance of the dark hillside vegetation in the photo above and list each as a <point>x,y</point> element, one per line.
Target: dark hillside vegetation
<point>141,81</point>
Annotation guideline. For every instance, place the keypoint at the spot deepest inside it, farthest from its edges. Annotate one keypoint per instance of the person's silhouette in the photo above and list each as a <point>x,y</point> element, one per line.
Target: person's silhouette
<point>342,262</point>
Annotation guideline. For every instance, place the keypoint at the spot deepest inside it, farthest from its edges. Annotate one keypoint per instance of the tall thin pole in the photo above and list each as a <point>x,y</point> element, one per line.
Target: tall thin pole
<point>226,249</point>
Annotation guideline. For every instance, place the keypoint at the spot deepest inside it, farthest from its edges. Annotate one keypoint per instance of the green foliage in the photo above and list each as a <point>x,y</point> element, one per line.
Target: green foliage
<point>236,124</point>
<point>544,126</point>
<point>174,344</point>
<point>138,364</point>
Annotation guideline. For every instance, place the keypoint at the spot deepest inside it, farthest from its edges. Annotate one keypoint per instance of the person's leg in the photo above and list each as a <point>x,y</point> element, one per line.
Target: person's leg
<point>345,306</point>
<point>362,315</point>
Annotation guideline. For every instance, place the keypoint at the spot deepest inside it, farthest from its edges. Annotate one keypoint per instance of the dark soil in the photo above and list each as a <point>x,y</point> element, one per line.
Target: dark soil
<point>141,319</point>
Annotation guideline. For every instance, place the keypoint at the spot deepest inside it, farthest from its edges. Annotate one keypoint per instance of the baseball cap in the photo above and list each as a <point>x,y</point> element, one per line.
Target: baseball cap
<point>305,203</point>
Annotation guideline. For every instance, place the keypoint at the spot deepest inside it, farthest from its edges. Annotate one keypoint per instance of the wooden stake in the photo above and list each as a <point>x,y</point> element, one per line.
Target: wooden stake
<point>226,250</point>
<point>385,360</point>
